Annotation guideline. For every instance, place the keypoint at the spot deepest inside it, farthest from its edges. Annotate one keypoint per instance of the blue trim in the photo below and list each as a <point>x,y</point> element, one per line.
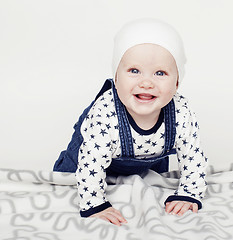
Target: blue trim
<point>94,210</point>
<point>183,198</point>
<point>142,131</point>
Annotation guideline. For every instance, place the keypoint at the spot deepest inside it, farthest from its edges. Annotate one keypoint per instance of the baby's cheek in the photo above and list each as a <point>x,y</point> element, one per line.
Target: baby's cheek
<point>169,93</point>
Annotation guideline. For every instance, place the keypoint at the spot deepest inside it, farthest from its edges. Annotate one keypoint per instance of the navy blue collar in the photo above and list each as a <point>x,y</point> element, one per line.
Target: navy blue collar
<point>142,131</point>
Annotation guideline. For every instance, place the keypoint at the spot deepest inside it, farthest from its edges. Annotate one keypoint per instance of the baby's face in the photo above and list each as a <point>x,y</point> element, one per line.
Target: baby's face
<point>146,80</point>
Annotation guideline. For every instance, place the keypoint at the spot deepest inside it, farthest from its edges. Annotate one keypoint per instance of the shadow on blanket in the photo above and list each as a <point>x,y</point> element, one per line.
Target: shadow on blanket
<point>43,205</point>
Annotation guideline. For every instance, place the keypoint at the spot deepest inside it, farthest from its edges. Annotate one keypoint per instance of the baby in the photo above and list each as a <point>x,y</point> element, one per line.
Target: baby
<point>136,121</point>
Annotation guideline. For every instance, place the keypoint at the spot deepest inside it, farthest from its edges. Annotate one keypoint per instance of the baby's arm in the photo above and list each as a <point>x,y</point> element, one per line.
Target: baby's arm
<point>91,183</point>
<point>95,156</point>
<point>192,163</point>
<point>93,161</point>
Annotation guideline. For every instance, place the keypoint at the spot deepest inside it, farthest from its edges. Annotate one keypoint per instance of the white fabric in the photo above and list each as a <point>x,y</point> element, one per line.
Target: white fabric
<point>149,31</point>
<point>42,205</point>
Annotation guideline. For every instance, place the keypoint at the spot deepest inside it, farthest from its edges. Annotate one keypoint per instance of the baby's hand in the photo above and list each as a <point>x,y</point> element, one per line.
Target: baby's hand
<point>110,215</point>
<point>180,207</point>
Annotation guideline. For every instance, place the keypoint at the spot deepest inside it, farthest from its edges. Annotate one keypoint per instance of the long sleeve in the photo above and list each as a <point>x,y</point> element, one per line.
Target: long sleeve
<point>95,155</point>
<point>191,159</point>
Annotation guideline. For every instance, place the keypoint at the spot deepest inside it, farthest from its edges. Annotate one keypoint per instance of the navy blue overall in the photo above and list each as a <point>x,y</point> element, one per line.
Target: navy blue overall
<point>127,163</point>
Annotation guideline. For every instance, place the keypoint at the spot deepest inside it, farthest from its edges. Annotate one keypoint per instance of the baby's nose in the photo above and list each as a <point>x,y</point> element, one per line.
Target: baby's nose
<point>146,83</point>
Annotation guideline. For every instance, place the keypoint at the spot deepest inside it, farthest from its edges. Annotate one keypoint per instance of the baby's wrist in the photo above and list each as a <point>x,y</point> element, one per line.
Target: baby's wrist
<point>94,210</point>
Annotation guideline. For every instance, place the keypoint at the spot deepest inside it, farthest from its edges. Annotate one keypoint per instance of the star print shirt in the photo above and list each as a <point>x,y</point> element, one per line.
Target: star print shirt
<point>102,143</point>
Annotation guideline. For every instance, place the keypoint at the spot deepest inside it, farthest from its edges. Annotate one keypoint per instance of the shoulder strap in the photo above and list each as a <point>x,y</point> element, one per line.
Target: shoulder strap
<point>170,128</point>
<point>107,85</point>
<point>124,126</point>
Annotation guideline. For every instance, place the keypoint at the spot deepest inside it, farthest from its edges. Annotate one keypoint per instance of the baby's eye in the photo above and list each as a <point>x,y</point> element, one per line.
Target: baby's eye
<point>134,70</point>
<point>160,73</point>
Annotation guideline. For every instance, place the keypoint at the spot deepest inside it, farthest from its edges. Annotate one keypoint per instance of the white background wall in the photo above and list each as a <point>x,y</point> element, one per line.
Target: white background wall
<point>56,54</point>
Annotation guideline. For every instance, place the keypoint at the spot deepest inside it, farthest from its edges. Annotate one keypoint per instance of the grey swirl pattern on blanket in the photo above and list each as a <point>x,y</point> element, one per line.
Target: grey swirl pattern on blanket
<point>43,205</point>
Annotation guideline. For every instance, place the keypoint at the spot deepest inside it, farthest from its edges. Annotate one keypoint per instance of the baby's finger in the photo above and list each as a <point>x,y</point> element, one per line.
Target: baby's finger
<point>113,219</point>
<point>177,207</point>
<point>184,209</point>
<point>169,206</point>
<point>194,207</point>
<point>119,216</point>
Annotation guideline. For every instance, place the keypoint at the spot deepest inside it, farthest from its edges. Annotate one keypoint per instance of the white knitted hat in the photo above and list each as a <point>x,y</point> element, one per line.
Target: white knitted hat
<point>149,31</point>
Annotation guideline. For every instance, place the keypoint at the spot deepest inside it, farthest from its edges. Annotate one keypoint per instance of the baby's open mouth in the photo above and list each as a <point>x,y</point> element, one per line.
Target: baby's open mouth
<point>144,96</point>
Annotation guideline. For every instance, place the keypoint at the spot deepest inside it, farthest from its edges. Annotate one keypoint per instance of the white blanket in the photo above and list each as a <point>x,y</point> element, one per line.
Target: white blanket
<point>43,205</point>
